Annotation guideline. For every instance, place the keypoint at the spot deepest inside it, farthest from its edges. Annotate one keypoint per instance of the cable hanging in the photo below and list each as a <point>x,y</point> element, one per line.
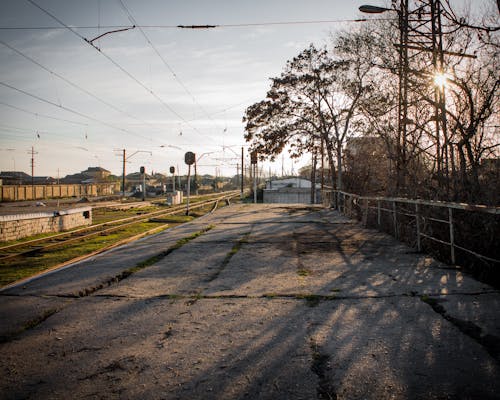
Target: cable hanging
<point>116,64</point>
<point>69,109</point>
<point>167,65</point>
<point>74,85</point>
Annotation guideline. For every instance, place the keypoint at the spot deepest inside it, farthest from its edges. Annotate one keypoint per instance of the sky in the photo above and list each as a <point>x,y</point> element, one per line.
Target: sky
<point>157,90</point>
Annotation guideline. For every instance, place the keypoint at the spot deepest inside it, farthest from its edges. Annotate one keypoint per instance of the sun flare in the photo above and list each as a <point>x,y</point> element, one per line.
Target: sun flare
<point>440,79</point>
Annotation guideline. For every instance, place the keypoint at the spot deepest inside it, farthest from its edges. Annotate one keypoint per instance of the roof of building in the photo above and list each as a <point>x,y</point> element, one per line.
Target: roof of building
<point>96,169</point>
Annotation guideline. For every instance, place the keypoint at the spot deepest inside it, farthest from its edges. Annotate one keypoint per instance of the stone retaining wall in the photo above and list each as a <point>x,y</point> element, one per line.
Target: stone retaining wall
<point>13,227</point>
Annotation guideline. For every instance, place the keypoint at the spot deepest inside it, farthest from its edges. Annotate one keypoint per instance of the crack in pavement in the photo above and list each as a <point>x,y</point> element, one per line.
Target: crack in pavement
<point>491,343</point>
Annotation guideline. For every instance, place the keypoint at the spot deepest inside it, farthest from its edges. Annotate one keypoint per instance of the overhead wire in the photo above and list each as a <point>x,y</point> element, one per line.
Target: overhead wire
<point>116,64</point>
<point>160,56</point>
<point>41,115</point>
<point>69,109</point>
<point>74,85</point>
<point>242,25</point>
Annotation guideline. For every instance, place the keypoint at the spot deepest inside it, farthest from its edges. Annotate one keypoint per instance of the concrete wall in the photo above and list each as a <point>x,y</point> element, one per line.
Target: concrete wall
<point>41,192</point>
<point>288,196</point>
<point>13,227</point>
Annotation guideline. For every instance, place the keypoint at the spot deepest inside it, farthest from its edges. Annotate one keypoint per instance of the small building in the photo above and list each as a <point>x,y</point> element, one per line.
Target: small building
<point>290,191</point>
<point>298,183</point>
<point>96,173</point>
<point>89,176</point>
<point>22,178</point>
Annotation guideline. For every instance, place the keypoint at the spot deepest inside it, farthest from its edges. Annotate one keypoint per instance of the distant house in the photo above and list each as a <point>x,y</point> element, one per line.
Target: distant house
<point>22,178</point>
<point>14,177</point>
<point>90,175</point>
<point>97,173</point>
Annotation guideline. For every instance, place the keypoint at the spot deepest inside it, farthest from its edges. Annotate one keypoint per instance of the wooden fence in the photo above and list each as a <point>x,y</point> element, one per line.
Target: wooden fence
<point>472,231</point>
<point>42,192</point>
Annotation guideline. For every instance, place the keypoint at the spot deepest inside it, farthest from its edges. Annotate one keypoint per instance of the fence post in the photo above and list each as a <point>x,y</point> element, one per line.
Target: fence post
<point>366,204</point>
<point>452,236</point>
<point>394,217</point>
<point>378,212</point>
<point>417,219</point>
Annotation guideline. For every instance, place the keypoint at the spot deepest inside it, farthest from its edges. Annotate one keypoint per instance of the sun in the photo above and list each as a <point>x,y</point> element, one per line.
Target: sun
<point>440,79</point>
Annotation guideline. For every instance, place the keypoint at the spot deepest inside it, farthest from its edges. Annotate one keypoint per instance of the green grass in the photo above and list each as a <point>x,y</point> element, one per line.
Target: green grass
<point>17,268</point>
<point>103,215</point>
<point>14,269</point>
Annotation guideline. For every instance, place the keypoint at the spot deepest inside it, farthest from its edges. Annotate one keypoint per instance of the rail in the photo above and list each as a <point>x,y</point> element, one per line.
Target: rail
<point>415,221</point>
<point>81,234</point>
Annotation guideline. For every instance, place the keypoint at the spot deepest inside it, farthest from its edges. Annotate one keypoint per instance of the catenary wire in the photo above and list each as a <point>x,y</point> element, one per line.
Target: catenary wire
<point>70,110</point>
<point>74,85</point>
<point>242,25</point>
<point>41,115</point>
<point>167,65</point>
<point>116,64</point>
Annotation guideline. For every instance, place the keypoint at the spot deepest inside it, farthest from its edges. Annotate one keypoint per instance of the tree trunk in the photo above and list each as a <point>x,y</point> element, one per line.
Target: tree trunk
<point>339,167</point>
<point>313,178</point>
<point>329,151</point>
<point>474,187</point>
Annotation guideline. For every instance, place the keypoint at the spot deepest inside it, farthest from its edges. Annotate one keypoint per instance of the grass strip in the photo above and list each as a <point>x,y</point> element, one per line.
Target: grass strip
<point>143,264</point>
<point>236,247</point>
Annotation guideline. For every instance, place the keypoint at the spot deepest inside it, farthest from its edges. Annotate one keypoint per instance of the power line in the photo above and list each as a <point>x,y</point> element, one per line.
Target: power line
<point>242,25</point>
<point>57,19</point>
<point>167,65</point>
<point>68,109</point>
<point>116,64</point>
<point>19,52</point>
<point>41,115</point>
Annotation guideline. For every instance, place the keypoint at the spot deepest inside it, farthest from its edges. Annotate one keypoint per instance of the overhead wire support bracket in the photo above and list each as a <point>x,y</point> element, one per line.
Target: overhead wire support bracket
<point>107,33</point>
<point>197,26</point>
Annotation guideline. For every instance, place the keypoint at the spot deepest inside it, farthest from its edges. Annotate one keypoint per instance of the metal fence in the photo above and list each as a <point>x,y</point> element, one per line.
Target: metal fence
<point>458,233</point>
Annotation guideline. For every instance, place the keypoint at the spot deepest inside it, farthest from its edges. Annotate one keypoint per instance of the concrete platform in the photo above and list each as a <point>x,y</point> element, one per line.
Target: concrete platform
<point>257,302</point>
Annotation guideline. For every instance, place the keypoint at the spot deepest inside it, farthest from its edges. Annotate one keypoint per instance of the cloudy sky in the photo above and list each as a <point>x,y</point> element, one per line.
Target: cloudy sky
<point>156,90</point>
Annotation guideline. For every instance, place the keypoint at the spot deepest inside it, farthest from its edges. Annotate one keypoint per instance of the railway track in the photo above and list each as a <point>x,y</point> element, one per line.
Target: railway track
<point>32,247</point>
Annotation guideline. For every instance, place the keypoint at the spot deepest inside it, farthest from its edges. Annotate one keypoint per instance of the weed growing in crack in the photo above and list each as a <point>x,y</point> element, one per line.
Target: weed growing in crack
<point>320,365</point>
<point>236,247</point>
<point>33,323</point>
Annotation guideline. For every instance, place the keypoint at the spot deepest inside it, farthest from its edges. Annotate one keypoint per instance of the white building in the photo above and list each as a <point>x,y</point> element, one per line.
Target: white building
<point>289,191</point>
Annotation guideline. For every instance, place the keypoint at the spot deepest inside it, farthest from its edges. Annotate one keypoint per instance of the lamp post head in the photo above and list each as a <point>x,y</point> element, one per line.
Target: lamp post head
<point>373,9</point>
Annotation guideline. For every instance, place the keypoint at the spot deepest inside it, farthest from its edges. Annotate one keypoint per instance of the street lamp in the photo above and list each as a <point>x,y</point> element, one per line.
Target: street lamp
<point>373,9</point>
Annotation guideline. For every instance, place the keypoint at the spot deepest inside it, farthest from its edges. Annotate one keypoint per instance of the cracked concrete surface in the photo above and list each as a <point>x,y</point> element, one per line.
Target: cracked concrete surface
<point>274,302</point>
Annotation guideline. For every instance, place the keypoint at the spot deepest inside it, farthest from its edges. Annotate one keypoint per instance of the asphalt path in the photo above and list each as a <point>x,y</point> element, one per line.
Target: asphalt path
<point>253,302</point>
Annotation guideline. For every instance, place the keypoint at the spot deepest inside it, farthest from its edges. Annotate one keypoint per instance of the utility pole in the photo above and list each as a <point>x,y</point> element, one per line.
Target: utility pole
<point>253,161</point>
<point>123,171</point>
<point>124,161</point>
<point>195,177</point>
<point>242,172</point>
<point>32,163</point>
<point>237,173</point>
